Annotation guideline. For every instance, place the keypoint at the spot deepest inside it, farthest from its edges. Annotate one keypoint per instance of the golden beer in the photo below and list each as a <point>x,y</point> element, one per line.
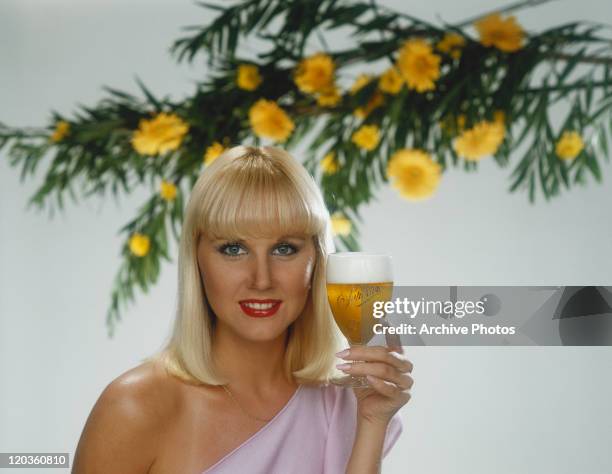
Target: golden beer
<point>355,281</point>
<point>352,305</point>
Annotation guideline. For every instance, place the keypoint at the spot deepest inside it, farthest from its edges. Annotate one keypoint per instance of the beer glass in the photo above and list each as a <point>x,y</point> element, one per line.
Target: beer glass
<point>355,281</point>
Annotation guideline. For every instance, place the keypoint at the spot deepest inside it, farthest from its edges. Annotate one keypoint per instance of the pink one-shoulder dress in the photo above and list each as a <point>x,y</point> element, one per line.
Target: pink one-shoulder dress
<point>312,434</point>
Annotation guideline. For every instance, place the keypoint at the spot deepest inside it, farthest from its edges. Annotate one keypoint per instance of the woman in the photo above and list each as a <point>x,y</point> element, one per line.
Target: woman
<point>241,386</point>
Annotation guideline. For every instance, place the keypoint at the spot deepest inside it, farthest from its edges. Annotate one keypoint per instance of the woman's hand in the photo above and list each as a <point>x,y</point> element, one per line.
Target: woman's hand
<point>388,373</point>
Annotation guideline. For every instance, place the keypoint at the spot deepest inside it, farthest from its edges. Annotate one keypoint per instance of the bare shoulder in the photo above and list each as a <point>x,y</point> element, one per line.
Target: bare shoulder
<point>124,429</point>
<point>144,388</point>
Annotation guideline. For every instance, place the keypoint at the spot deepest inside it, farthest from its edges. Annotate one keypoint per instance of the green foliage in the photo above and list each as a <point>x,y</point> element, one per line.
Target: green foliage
<point>562,67</point>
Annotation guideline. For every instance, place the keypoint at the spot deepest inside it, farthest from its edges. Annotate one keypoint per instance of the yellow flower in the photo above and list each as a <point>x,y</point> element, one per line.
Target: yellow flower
<point>160,134</point>
<point>506,35</point>
<point>483,139</point>
<point>315,73</point>
<point>329,163</point>
<point>375,101</point>
<point>366,137</point>
<point>361,81</point>
<point>499,116</point>
<point>167,190</point>
<point>451,44</point>
<point>139,244</point>
<point>418,65</point>
<point>329,97</point>
<point>414,174</point>
<point>213,152</point>
<point>360,113</point>
<point>62,128</point>
<point>569,145</point>
<point>270,121</point>
<point>340,224</point>
<point>390,82</point>
<point>248,77</point>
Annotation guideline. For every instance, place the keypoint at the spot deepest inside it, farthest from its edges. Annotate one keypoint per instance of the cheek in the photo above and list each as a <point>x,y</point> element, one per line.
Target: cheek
<point>217,282</point>
<point>300,277</point>
<point>212,285</point>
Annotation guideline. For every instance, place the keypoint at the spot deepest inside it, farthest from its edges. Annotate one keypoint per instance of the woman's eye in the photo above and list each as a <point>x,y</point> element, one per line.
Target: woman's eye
<point>286,249</point>
<point>231,250</point>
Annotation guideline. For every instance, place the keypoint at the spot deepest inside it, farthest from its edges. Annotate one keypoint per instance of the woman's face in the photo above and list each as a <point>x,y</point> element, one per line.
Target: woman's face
<point>257,287</point>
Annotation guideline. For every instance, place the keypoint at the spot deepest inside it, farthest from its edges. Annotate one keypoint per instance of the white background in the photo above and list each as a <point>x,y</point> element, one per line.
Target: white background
<point>474,410</point>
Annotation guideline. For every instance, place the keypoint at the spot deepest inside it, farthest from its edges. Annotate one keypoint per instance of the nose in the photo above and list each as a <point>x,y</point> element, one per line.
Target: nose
<point>261,273</point>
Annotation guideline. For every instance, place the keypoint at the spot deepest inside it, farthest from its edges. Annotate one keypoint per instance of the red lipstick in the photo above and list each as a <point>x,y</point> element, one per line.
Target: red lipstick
<point>260,308</point>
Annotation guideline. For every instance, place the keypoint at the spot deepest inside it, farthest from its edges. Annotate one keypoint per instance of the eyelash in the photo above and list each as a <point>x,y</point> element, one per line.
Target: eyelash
<point>223,247</point>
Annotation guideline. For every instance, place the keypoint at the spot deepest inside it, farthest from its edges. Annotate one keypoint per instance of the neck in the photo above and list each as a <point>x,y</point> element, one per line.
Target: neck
<point>250,365</point>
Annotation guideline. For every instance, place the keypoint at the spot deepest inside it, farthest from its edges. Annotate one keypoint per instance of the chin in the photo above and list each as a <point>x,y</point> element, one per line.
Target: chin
<point>260,331</point>
<point>261,336</point>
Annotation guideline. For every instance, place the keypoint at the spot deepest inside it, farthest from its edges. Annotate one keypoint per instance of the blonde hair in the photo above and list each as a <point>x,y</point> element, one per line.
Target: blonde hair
<point>245,191</point>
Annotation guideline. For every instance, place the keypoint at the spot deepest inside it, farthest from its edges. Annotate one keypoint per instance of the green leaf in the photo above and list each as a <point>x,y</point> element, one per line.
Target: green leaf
<point>564,174</point>
<point>531,182</point>
<point>151,98</point>
<point>210,6</point>
<point>542,174</point>
<point>593,166</point>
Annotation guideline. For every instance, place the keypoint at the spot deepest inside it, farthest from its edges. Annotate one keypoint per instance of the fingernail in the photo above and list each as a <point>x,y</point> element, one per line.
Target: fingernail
<point>371,378</point>
<point>343,354</point>
<point>343,366</point>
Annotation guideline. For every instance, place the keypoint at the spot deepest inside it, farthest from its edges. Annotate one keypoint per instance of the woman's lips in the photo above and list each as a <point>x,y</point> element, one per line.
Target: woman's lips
<point>260,308</point>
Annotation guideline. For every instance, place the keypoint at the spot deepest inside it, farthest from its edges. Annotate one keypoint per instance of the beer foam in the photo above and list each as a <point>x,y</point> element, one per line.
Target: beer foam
<point>358,267</point>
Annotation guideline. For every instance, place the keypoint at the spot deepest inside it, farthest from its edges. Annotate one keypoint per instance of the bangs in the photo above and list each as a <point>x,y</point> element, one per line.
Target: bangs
<point>254,197</point>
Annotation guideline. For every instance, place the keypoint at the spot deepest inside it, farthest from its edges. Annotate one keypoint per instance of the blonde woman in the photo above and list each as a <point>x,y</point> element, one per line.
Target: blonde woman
<point>242,385</point>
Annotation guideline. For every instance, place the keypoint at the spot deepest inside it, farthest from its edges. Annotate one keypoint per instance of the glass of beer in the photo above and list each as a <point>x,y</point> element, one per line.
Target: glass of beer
<point>355,281</point>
